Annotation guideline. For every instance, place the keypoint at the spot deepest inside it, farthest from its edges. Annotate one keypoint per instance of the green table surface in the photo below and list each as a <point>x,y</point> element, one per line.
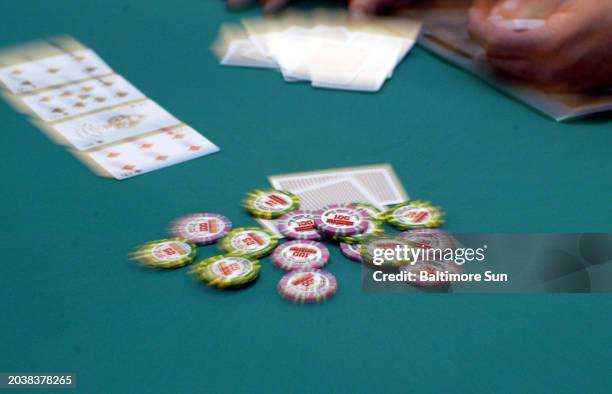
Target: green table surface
<point>72,301</point>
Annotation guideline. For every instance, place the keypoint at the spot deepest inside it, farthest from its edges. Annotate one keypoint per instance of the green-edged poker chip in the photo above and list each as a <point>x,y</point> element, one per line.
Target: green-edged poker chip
<point>251,242</point>
<point>166,253</point>
<point>270,203</point>
<point>414,214</point>
<point>369,209</point>
<point>227,270</point>
<point>373,250</point>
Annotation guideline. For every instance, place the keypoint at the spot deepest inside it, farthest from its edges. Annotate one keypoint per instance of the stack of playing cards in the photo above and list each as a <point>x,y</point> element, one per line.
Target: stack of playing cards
<point>323,47</point>
<point>375,184</point>
<point>72,94</point>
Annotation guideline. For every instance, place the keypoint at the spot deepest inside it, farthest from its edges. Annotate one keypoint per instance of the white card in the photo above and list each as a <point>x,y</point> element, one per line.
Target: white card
<point>140,155</point>
<point>53,71</point>
<point>379,180</point>
<point>243,53</point>
<point>115,124</point>
<point>82,97</point>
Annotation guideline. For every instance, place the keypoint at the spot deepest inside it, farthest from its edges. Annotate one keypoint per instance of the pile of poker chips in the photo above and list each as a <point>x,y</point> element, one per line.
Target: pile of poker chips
<point>356,227</point>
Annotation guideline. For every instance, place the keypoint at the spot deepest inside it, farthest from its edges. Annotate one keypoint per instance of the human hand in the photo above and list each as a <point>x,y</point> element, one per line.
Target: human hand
<point>355,7</point>
<point>572,50</point>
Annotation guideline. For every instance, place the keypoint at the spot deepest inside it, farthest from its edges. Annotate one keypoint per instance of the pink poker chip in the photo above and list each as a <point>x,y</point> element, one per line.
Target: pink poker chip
<point>300,254</point>
<point>351,251</point>
<point>298,225</point>
<point>307,286</point>
<point>341,219</point>
<point>201,228</point>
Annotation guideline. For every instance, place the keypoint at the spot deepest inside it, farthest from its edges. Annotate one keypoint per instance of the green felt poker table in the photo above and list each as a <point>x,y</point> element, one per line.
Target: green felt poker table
<point>73,302</point>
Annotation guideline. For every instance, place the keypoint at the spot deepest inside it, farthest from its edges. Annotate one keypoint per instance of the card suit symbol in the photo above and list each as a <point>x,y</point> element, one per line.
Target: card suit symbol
<point>79,105</point>
<point>57,110</point>
<point>67,93</point>
<point>29,83</point>
<point>195,147</point>
<point>83,96</point>
<point>179,136</point>
<point>113,154</point>
<point>128,167</point>
<point>161,158</point>
<point>100,99</point>
<point>45,99</point>
<point>16,72</point>
<point>52,70</point>
<point>121,94</point>
<point>90,69</point>
<point>146,146</point>
<point>87,88</point>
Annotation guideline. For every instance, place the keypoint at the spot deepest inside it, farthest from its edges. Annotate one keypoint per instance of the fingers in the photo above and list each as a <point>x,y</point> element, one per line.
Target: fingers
<point>361,8</point>
<point>267,5</point>
<point>273,5</point>
<point>238,3</point>
<point>503,42</point>
<point>518,68</point>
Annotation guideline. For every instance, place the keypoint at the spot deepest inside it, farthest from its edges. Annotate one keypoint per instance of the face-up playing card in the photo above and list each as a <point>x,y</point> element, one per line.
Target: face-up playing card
<point>75,97</point>
<point>379,180</point>
<point>64,68</point>
<point>112,125</point>
<point>139,155</point>
<point>82,97</point>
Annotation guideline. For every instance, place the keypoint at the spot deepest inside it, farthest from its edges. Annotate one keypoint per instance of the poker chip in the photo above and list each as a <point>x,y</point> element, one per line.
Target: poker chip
<point>375,227</point>
<point>429,238</point>
<point>307,286</point>
<point>227,271</point>
<point>298,225</point>
<point>371,211</point>
<point>341,220</point>
<point>253,242</point>
<point>201,228</point>
<point>414,214</point>
<point>300,254</point>
<point>166,253</point>
<point>372,243</point>
<point>430,267</point>
<point>270,203</point>
<point>351,251</point>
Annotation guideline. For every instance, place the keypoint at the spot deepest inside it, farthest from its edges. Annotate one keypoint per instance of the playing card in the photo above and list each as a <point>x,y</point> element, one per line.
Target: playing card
<point>380,181</point>
<point>331,50</point>
<point>82,97</point>
<point>62,68</point>
<point>112,125</point>
<point>140,155</point>
<point>234,48</point>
